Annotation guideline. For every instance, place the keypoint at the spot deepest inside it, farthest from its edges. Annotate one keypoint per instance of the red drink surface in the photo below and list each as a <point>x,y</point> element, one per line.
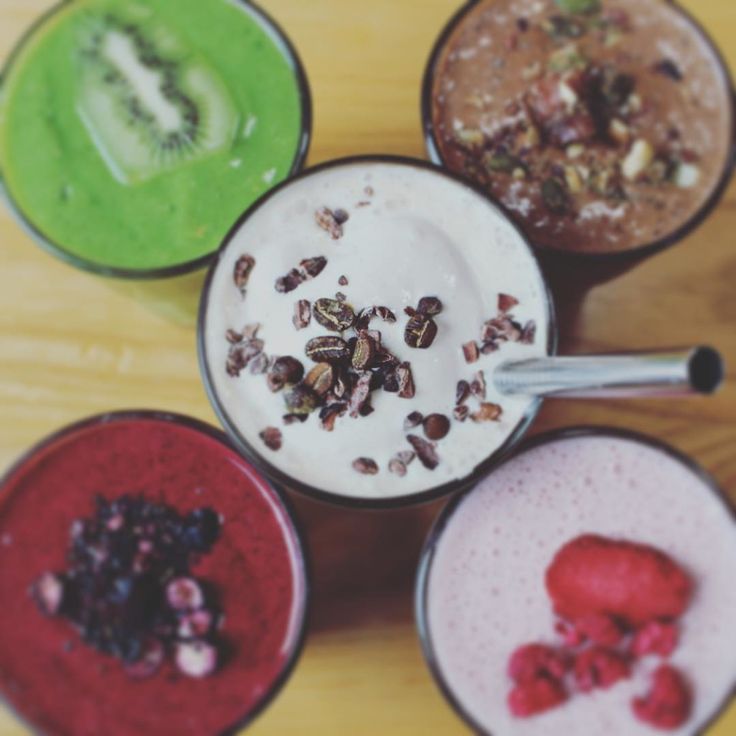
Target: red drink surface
<point>255,567</point>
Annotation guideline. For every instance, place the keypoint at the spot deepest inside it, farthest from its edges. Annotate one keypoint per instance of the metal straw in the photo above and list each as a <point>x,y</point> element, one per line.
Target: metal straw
<point>664,373</point>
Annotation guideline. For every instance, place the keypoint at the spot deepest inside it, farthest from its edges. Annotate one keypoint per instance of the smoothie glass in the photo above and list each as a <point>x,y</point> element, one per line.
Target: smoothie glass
<point>128,142</point>
<point>402,195</point>
<point>257,568</point>
<point>554,479</point>
<point>563,264</point>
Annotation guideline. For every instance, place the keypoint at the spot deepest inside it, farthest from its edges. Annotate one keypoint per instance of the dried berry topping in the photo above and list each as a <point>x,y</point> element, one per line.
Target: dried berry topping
<point>285,371</point>
<point>506,303</point>
<point>364,351</point>
<point>462,392</point>
<point>196,658</point>
<point>436,426</point>
<point>531,661</point>
<point>599,667</point>
<point>321,378</point>
<point>300,399</point>
<point>668,68</point>
<point>331,222</point>
<point>302,314</point>
<point>242,271</point>
<point>656,637</point>
<point>327,349</point>
<point>420,331</point>
<point>365,466</point>
<point>425,451</point>
<point>430,306</point>
<point>272,438</point>
<point>413,420</point>
<point>487,412</point>
<point>536,696</point>
<point>333,314</point>
<point>128,584</point>
<point>312,267</point>
<point>405,380</point>
<point>668,703</point>
<point>471,352</point>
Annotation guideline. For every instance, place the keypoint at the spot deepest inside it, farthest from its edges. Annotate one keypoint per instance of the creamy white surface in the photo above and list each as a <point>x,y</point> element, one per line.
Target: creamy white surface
<point>486,587</point>
<point>421,235</point>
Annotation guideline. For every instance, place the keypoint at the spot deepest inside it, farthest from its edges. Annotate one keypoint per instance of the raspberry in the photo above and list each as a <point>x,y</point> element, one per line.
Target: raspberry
<point>600,667</point>
<point>570,634</point>
<point>668,703</point>
<point>536,696</point>
<point>656,637</point>
<point>635,583</point>
<point>532,661</point>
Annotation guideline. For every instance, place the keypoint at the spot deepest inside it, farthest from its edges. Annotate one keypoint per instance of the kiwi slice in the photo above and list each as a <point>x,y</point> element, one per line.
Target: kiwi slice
<point>148,101</point>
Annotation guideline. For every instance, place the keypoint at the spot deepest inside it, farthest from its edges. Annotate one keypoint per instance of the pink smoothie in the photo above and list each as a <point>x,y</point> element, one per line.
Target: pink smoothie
<point>485,592</point>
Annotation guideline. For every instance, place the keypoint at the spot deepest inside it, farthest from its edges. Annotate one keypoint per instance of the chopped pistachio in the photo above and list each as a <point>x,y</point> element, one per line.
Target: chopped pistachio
<point>579,6</point>
<point>633,103</point>
<point>469,136</point>
<point>566,59</point>
<point>576,150</point>
<point>531,72</point>
<point>567,94</point>
<point>638,159</point>
<point>686,175</point>
<point>619,131</point>
<point>531,137</point>
<point>574,182</point>
<point>518,173</point>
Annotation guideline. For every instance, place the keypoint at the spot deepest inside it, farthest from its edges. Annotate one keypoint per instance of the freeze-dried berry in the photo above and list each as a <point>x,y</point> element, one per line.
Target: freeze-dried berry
<point>600,629</point>
<point>272,438</point>
<point>531,661</point>
<point>536,696</point>
<point>668,703</point>
<point>656,637</point>
<point>599,667</point>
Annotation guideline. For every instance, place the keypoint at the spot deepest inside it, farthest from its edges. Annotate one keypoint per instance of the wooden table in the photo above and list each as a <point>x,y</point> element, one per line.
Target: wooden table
<point>72,347</point>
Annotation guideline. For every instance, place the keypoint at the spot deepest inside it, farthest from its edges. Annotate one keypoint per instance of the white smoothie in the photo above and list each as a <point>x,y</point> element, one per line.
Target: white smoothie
<point>487,596</point>
<point>410,234</point>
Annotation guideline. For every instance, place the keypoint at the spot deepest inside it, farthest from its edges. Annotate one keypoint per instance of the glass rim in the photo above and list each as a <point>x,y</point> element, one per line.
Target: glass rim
<point>49,245</point>
<point>285,480</point>
<point>303,566</point>
<point>610,256</point>
<point>434,537</point>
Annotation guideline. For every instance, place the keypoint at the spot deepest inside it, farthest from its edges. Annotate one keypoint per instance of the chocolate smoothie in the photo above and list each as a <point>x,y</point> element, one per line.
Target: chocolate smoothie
<point>603,126</point>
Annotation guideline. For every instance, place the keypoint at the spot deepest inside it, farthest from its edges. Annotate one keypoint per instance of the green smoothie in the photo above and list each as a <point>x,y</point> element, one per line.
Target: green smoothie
<point>133,133</point>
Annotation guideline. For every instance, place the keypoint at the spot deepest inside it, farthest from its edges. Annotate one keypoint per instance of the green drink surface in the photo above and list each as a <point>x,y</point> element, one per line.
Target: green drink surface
<point>133,135</point>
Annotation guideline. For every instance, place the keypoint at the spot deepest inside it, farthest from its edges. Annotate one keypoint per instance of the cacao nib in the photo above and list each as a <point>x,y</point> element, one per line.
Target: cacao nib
<point>259,364</point>
<point>334,315</point>
<point>406,456</point>
<point>425,451</point>
<point>385,314</point>
<point>365,466</point>
<point>241,354</point>
<point>294,419</point>
<point>360,393</point>
<point>321,378</point>
<point>340,296</point>
<point>413,420</point>
<point>489,347</point>
<point>251,330</point>
<point>272,438</point>
<point>487,413</point>
<point>430,306</point>
<point>436,426</point>
<point>343,280</point>
<point>242,271</point>
<point>529,333</point>
<point>302,314</point>
<point>233,337</point>
<point>327,349</point>
<point>462,392</point>
<point>285,371</point>
<point>312,267</point>
<point>406,381</point>
<point>506,303</point>
<point>471,352</point>
<point>420,331</point>
<point>396,467</point>
<point>478,386</point>
<point>364,351</point>
<point>285,284</point>
<point>330,222</point>
<point>461,413</point>
<point>300,399</point>
<point>329,414</point>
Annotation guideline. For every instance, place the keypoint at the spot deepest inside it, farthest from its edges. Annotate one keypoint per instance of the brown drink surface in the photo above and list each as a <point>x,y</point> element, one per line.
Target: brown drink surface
<point>601,131</point>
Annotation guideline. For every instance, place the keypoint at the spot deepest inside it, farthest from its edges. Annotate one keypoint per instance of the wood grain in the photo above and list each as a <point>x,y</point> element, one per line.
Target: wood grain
<point>70,346</point>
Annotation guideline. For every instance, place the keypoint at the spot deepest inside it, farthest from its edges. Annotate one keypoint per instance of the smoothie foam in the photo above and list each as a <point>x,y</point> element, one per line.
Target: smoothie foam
<point>486,592</point>
<point>218,120</point>
<point>414,234</point>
